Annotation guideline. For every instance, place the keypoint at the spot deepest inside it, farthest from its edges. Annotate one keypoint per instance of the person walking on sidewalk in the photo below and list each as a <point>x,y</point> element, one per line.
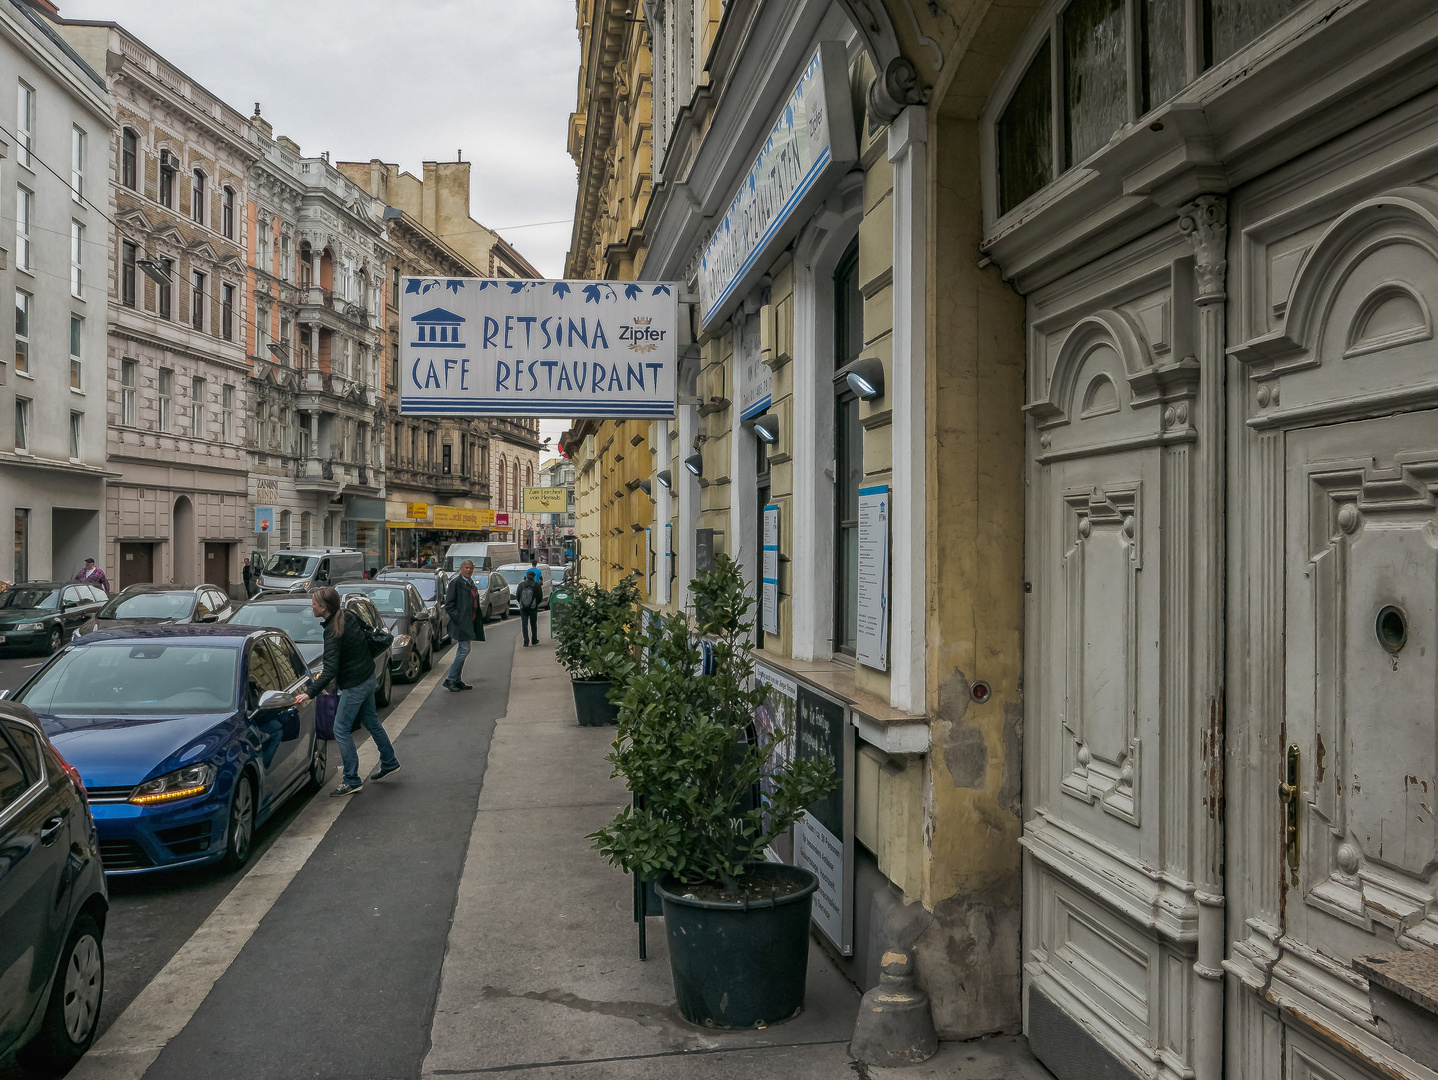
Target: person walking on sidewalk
<point>349,664</point>
<point>528,598</point>
<point>466,624</point>
<point>247,575</point>
<point>93,575</point>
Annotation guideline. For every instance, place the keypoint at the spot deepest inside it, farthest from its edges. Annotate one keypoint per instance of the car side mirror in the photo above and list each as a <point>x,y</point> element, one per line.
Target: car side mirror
<point>275,700</point>
<point>209,616</point>
<point>5,695</point>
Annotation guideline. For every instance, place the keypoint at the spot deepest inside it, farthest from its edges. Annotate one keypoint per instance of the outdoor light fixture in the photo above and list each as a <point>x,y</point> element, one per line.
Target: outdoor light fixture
<point>155,270</point>
<point>666,478</point>
<point>645,486</point>
<point>281,349</point>
<point>865,377</point>
<point>391,212</point>
<point>767,427</point>
<point>695,464</point>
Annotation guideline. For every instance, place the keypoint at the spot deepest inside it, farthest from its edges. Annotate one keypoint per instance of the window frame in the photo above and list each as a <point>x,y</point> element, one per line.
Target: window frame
<point>78,152</point>
<point>77,337</point>
<point>227,212</point>
<point>24,215</point>
<point>197,300</point>
<point>129,251</point>
<point>77,435</point>
<point>227,311</point>
<point>197,406</point>
<point>227,413</point>
<point>165,189</point>
<point>844,590</point>
<point>130,159</point>
<point>23,338</point>
<point>129,382</point>
<point>22,424</point>
<point>164,293</point>
<point>165,400</point>
<point>25,108</point>
<point>77,259</point>
<point>197,196</point>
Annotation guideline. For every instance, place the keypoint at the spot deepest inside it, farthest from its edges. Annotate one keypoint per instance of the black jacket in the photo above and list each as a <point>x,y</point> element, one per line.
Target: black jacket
<point>347,659</point>
<point>529,595</point>
<point>460,600</point>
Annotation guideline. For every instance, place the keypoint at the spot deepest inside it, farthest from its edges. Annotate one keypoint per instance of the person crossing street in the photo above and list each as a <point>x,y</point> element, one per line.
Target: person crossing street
<point>528,597</point>
<point>466,624</point>
<point>349,664</point>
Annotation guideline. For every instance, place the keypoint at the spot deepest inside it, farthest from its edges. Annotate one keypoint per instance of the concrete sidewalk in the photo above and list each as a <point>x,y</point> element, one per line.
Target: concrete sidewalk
<point>542,976</point>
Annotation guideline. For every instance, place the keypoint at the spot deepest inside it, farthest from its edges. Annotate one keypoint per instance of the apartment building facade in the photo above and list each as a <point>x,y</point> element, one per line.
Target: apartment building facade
<point>56,197</point>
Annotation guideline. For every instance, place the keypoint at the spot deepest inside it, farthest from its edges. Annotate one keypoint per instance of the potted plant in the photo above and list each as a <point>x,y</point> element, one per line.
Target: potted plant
<point>595,643</point>
<point>737,926</point>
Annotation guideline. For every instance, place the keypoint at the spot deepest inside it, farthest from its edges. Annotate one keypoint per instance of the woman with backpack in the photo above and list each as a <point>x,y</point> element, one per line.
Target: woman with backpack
<point>350,665</point>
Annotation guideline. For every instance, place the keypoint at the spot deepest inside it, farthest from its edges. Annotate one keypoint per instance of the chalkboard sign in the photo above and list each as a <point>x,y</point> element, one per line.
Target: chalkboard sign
<point>824,837</point>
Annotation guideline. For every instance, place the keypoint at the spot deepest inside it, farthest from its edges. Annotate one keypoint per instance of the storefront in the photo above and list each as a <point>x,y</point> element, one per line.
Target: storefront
<point>429,532</point>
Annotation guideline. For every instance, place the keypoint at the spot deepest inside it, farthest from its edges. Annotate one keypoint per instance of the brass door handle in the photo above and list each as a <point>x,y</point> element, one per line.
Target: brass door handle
<point>1289,790</point>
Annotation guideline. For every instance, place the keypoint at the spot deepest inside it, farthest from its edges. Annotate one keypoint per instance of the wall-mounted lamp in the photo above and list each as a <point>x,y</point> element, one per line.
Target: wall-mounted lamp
<point>391,212</point>
<point>666,478</point>
<point>766,427</point>
<point>645,486</point>
<point>695,464</point>
<point>865,377</point>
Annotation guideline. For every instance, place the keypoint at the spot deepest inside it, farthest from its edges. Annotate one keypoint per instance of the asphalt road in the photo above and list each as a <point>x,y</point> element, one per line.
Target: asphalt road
<point>153,915</point>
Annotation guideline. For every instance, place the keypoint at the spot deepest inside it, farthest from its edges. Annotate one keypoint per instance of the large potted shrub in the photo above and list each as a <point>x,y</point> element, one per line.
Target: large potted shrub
<point>737,926</point>
<point>594,642</point>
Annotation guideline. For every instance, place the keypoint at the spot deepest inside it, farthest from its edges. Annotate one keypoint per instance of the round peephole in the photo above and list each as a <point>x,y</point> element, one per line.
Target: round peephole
<point>1392,629</point>
<point>980,692</point>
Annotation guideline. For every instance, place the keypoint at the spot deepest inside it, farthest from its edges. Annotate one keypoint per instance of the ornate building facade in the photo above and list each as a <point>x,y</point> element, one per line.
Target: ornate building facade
<point>178,163</point>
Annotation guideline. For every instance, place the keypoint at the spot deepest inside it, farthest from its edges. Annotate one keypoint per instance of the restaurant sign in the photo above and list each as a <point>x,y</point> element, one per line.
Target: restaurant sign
<point>810,145</point>
<point>502,347</point>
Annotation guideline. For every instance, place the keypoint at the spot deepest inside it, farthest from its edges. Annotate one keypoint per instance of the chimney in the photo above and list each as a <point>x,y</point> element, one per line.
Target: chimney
<point>451,196</point>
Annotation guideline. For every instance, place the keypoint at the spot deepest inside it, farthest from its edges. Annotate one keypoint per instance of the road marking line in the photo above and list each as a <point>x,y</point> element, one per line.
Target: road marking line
<point>163,1008</point>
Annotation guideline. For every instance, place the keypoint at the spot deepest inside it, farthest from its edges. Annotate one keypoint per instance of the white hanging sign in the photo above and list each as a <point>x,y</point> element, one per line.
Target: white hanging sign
<point>771,569</point>
<point>502,347</point>
<point>872,646</point>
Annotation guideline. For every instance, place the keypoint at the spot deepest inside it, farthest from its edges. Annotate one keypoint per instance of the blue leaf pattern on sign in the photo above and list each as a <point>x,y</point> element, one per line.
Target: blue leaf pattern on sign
<point>591,294</point>
<point>661,289</point>
<point>411,286</point>
<point>631,291</point>
<point>561,289</point>
<point>488,285</point>
<point>516,287</point>
<point>454,286</point>
<point>427,286</point>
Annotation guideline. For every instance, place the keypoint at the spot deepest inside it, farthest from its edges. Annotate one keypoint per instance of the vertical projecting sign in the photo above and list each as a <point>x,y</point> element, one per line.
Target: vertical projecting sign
<point>486,347</point>
<point>810,146</point>
<point>771,569</point>
<point>872,645</point>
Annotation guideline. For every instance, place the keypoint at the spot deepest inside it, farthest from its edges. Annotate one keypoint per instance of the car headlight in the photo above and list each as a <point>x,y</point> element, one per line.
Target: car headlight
<point>30,626</point>
<point>181,784</point>
<point>402,641</point>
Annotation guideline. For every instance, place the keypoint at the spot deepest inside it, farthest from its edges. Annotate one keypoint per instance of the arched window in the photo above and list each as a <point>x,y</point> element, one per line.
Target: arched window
<point>514,493</point>
<point>197,197</point>
<point>529,476</point>
<point>503,470</point>
<point>227,213</point>
<point>130,159</point>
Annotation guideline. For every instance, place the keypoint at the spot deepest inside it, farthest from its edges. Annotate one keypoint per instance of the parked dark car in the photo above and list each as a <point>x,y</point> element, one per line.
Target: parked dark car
<point>187,737</point>
<point>494,594</point>
<point>52,902</point>
<point>431,585</point>
<point>43,615</point>
<point>407,617</point>
<point>164,605</point>
<point>292,614</point>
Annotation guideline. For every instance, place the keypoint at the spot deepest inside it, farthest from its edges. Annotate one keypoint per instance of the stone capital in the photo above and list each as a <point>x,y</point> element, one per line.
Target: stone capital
<point>1205,222</point>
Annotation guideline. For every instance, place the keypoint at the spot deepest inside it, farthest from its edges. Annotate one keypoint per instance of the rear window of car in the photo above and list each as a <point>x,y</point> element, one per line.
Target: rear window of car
<point>148,605</point>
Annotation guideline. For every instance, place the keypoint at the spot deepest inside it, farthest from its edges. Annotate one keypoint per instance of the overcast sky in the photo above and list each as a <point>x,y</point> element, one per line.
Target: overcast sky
<point>405,81</point>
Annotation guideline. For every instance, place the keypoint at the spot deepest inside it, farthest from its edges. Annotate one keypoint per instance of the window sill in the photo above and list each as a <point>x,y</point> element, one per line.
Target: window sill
<point>877,722</point>
<point>24,375</point>
<point>77,391</point>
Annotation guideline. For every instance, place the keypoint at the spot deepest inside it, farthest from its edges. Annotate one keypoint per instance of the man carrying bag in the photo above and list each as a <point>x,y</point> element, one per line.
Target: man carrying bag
<point>466,624</point>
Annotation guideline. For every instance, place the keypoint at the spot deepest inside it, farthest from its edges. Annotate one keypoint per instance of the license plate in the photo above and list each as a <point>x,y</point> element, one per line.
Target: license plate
<point>2,639</point>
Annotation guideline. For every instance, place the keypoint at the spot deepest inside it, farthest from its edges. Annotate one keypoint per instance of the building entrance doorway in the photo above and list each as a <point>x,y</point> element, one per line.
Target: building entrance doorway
<point>217,566</point>
<point>137,564</point>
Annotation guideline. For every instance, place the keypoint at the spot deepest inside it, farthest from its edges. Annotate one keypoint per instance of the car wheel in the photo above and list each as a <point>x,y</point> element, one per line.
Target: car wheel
<point>56,640</point>
<point>412,665</point>
<point>505,613</point>
<point>319,764</point>
<point>74,1007</point>
<point>384,689</point>
<point>240,836</point>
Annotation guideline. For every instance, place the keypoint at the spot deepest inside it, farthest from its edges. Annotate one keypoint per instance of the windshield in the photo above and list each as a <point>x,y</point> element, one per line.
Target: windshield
<point>293,566</point>
<point>513,574</point>
<point>295,619</point>
<point>389,601</point>
<point>426,585</point>
<point>161,605</point>
<point>21,597</point>
<point>129,679</point>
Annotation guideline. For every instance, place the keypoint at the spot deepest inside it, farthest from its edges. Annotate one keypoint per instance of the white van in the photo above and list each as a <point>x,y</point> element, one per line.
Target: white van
<point>484,556</point>
<point>301,569</point>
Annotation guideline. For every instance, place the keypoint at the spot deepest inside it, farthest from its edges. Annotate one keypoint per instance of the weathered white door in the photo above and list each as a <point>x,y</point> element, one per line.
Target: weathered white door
<point>1360,713</point>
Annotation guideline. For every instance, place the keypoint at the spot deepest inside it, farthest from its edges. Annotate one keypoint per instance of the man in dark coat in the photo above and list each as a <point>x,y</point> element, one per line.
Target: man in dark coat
<point>466,624</point>
<point>528,596</point>
<point>247,575</point>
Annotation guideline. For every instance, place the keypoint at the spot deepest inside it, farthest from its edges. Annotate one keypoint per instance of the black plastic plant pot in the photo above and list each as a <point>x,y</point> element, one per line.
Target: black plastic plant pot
<point>741,964</point>
<point>591,703</point>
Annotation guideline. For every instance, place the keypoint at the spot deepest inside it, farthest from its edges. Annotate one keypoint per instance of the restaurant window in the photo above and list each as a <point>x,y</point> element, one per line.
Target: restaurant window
<point>848,453</point>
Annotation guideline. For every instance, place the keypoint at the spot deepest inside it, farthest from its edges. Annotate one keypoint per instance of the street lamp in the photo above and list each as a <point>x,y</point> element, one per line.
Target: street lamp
<point>666,478</point>
<point>695,464</point>
<point>155,270</point>
<point>864,376</point>
<point>766,427</point>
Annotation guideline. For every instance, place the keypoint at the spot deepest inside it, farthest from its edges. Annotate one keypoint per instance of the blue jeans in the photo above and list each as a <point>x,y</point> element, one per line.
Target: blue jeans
<point>359,701</point>
<point>456,669</point>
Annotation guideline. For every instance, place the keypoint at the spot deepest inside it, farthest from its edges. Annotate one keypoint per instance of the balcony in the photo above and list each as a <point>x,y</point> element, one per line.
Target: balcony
<point>315,475</point>
<point>319,305</point>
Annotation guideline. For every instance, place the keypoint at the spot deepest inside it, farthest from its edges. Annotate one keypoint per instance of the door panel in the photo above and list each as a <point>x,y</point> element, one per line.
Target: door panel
<point>136,564</point>
<point>1360,686</point>
<point>217,566</point>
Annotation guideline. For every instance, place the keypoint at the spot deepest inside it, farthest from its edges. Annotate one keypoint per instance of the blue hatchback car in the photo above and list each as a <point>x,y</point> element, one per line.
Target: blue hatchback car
<point>187,737</point>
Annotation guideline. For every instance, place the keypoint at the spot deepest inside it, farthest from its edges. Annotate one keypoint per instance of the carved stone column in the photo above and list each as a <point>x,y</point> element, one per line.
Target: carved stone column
<point>1205,223</point>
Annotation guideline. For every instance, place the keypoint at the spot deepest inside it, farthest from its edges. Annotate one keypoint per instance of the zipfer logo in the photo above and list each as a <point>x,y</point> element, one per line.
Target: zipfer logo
<point>641,336</point>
